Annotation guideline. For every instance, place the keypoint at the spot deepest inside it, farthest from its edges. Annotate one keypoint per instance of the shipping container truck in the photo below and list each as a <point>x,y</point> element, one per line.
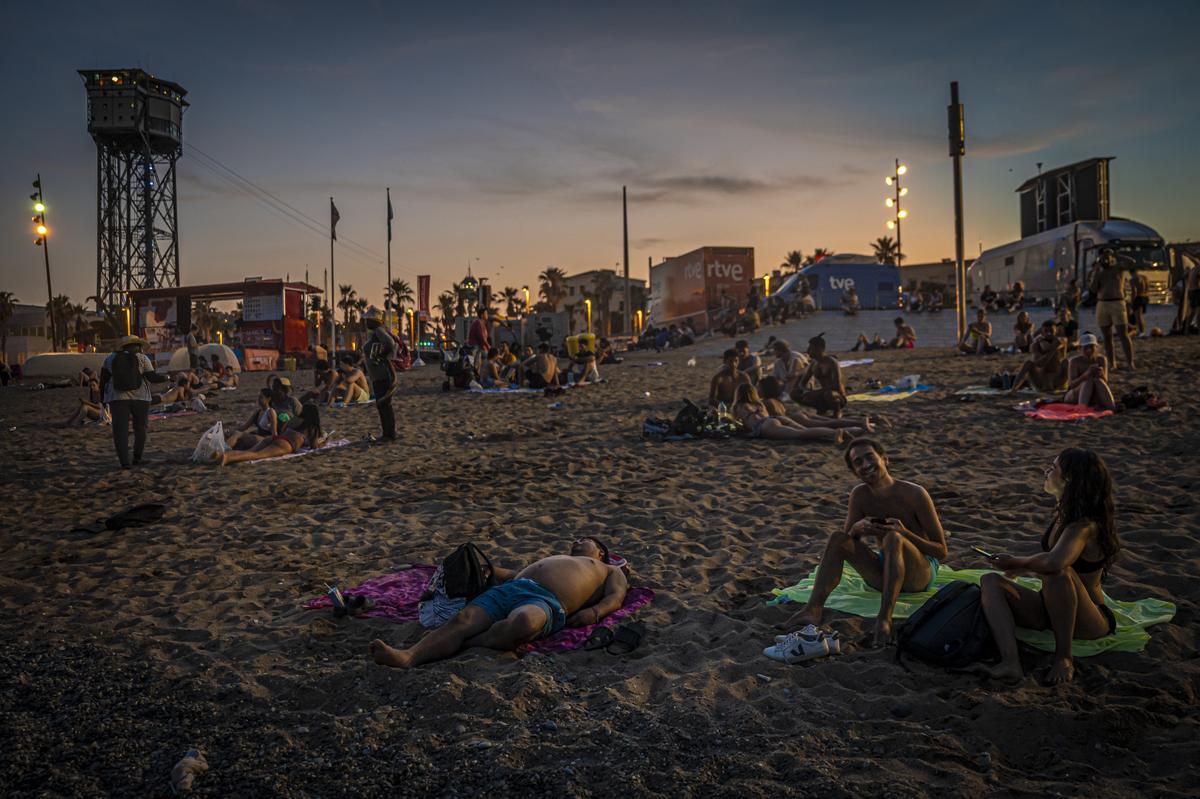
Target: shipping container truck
<point>689,287</point>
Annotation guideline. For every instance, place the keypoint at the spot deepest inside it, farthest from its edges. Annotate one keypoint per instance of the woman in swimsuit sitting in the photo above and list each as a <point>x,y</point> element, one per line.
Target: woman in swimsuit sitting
<point>751,411</point>
<point>771,390</point>
<point>263,423</point>
<point>1078,548</point>
<point>304,430</point>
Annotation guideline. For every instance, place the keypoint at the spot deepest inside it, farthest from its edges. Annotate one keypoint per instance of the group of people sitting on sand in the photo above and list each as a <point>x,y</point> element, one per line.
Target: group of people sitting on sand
<point>279,425</point>
<point>892,536</point>
<point>187,386</point>
<point>754,395</point>
<point>991,300</point>
<point>905,338</point>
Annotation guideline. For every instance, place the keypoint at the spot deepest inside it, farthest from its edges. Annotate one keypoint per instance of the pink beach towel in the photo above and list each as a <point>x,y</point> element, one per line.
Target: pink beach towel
<point>396,596</point>
<point>1062,412</point>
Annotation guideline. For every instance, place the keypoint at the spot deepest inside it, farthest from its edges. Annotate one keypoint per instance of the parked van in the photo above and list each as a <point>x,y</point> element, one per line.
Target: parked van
<point>1047,262</point>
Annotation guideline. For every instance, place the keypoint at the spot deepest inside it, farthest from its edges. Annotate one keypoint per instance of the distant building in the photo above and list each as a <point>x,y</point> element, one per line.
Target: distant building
<point>933,275</point>
<point>606,289</point>
<point>28,333</point>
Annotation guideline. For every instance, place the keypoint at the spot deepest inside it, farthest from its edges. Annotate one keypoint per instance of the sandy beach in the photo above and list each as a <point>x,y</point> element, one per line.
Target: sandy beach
<point>124,649</point>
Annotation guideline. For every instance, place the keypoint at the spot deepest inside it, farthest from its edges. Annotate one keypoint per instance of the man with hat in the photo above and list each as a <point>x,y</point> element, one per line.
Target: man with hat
<point>378,350</point>
<point>123,386</point>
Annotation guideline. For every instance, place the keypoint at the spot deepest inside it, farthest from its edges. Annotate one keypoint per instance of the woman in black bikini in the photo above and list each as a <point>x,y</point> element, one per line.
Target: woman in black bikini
<point>1077,549</point>
<point>302,431</point>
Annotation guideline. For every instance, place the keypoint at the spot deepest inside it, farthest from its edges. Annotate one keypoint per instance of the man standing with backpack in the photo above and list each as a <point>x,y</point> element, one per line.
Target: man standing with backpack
<point>378,351</point>
<point>123,386</point>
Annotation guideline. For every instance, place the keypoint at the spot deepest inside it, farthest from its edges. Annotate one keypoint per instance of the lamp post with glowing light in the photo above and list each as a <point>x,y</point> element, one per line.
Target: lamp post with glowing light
<point>588,305</point>
<point>893,180</point>
<point>43,234</point>
<point>526,290</point>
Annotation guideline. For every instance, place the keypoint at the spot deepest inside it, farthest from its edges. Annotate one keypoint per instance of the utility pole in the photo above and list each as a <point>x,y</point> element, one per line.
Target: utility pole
<point>958,147</point>
<point>43,241</point>
<point>628,292</point>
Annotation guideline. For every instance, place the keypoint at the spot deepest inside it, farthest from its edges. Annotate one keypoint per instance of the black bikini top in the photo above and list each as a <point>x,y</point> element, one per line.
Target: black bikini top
<point>1081,565</point>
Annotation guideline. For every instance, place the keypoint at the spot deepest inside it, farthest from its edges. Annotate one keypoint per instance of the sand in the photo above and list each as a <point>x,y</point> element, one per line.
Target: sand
<point>123,650</point>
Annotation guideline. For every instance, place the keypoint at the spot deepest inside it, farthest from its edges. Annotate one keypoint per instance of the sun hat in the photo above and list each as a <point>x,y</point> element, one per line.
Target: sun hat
<point>1088,340</point>
<point>283,381</point>
<point>127,340</point>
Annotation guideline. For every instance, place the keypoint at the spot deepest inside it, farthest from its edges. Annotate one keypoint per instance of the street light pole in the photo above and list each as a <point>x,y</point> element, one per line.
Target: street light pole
<point>899,247</point>
<point>893,180</point>
<point>44,240</point>
<point>958,148</point>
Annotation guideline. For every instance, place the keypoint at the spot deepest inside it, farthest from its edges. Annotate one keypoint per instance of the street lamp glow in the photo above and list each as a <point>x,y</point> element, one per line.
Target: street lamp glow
<point>891,225</point>
<point>903,191</point>
<point>39,207</point>
<point>902,214</point>
<point>42,230</point>
<point>900,170</point>
<point>888,180</point>
<point>588,304</point>
<point>889,202</point>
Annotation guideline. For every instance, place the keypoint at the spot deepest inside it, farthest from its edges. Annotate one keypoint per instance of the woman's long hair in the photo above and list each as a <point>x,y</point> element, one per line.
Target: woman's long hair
<point>746,394</point>
<point>309,422</point>
<point>1088,495</point>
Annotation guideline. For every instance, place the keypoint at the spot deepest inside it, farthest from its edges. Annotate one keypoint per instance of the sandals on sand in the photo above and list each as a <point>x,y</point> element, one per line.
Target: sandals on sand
<point>622,642</point>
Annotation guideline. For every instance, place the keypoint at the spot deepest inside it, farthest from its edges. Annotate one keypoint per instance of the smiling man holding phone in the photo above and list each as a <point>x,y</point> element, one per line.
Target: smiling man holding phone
<point>892,537</point>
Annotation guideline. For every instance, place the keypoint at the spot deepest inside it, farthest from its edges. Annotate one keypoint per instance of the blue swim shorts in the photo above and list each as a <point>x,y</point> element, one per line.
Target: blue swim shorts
<point>503,599</point>
<point>933,569</point>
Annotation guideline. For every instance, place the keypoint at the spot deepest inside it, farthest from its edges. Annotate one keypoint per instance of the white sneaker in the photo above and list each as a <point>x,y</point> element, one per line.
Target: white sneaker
<point>831,636</point>
<point>797,647</point>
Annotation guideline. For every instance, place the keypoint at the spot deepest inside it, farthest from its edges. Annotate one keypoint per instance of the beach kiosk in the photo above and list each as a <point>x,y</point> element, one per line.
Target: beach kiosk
<point>274,319</point>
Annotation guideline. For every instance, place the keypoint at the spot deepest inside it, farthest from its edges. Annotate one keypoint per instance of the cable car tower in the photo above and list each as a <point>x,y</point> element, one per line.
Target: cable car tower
<point>136,121</point>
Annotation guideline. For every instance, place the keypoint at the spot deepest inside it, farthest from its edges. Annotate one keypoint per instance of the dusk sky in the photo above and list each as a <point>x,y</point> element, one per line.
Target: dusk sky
<point>506,131</point>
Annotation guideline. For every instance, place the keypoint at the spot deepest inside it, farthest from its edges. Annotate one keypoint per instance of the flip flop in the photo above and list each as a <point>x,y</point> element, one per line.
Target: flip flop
<point>600,638</point>
<point>358,603</point>
<point>626,639</point>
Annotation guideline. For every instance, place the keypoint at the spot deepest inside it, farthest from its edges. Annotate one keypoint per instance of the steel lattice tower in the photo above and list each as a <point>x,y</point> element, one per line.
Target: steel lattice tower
<point>136,121</point>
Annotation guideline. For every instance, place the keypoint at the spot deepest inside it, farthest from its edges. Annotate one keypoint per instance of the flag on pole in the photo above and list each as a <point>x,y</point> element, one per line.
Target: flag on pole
<point>391,216</point>
<point>423,295</point>
<point>334,216</point>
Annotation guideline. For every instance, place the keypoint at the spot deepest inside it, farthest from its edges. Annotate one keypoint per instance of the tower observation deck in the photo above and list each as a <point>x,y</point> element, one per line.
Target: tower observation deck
<point>136,121</point>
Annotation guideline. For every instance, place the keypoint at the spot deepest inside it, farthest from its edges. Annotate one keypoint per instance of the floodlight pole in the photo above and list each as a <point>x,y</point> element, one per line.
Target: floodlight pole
<point>958,140</point>
<point>628,292</point>
<point>46,255</point>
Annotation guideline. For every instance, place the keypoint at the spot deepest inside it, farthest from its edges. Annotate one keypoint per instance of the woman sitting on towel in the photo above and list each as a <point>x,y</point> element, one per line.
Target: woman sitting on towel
<point>1078,548</point>
<point>751,411</point>
<point>771,389</point>
<point>302,431</point>
<point>263,423</point>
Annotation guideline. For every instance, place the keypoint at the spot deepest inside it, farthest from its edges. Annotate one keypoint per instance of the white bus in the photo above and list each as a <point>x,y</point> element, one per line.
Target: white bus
<point>1047,262</point>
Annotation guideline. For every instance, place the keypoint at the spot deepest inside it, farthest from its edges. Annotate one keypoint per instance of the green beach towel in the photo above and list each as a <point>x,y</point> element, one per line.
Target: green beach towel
<point>854,596</point>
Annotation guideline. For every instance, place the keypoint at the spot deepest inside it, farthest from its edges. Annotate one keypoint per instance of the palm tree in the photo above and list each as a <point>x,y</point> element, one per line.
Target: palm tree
<point>886,250</point>
<point>554,286</point>
<point>360,306</point>
<point>447,304</point>
<point>202,318</point>
<point>603,287</point>
<point>818,254</point>
<point>78,318</point>
<point>511,298</point>
<point>793,260</point>
<point>346,303</point>
<point>401,294</point>
<point>8,304</point>
<point>59,310</point>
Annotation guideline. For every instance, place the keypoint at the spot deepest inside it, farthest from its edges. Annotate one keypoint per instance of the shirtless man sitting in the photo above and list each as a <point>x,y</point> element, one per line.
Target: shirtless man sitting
<point>901,517</point>
<point>351,384</point>
<point>978,336</point>
<point>906,336</point>
<point>573,590</point>
<point>1087,377</point>
<point>542,369</point>
<point>830,394</point>
<point>1045,368</point>
<point>789,366</point>
<point>323,378</point>
<point>725,382</point>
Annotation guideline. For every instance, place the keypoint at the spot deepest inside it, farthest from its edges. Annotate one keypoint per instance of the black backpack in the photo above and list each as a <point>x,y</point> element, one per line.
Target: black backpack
<point>467,572</point>
<point>689,421</point>
<point>949,630</point>
<point>126,371</point>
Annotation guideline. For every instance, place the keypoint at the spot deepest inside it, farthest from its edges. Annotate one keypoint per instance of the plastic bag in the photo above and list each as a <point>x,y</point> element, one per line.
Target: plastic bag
<point>211,444</point>
<point>908,382</point>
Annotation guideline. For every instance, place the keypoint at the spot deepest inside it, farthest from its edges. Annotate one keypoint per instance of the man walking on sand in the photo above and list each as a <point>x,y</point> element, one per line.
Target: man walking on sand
<point>900,518</point>
<point>1108,286</point>
<point>378,351</point>
<point>573,590</point>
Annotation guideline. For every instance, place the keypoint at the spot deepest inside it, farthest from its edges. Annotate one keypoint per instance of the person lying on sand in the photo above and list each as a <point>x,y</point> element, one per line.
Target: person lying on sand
<point>1045,370</point>
<point>978,337</point>
<point>573,590</point>
<point>181,392</point>
<point>1087,377</point>
<point>1078,547</point>
<point>542,369</point>
<point>350,385</point>
<point>725,382</point>
<point>901,518</point>
<point>303,431</point>
<point>868,346</point>
<point>771,391</point>
<point>830,394</point>
<point>263,423</point>
<point>752,412</point>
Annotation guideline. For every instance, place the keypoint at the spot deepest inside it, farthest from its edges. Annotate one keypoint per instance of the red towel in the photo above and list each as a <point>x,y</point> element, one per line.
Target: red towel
<point>1062,412</point>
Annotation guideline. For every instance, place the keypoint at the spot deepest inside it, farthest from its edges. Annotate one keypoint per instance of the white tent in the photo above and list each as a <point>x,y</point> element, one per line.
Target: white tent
<point>179,358</point>
<point>62,364</point>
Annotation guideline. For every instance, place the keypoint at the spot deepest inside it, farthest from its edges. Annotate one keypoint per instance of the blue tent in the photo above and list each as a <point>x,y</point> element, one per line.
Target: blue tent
<point>877,284</point>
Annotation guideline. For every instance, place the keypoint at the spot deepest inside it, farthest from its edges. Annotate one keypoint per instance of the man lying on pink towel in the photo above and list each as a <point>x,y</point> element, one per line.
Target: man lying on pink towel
<point>573,590</point>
